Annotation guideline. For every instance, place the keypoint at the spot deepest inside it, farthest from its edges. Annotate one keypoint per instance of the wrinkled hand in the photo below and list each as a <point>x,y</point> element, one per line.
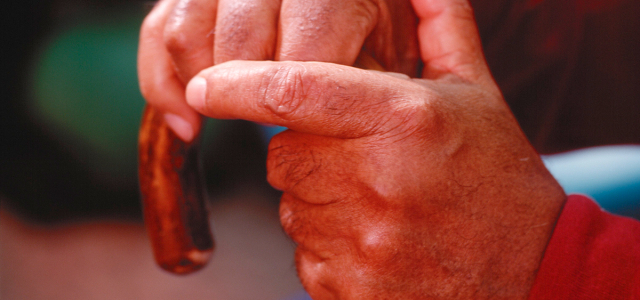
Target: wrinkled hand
<point>398,188</point>
<point>179,38</point>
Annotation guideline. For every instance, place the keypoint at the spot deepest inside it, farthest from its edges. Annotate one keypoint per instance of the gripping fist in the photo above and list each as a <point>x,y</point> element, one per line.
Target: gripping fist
<point>397,187</point>
<point>179,38</point>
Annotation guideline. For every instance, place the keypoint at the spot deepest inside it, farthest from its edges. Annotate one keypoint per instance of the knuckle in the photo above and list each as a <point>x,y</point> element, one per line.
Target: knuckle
<point>411,113</point>
<point>291,219</point>
<point>288,165</point>
<point>367,11</point>
<point>287,217</point>
<point>378,242</point>
<point>402,116</point>
<point>175,39</point>
<point>286,90</point>
<point>418,111</point>
<point>273,163</point>
<point>241,33</point>
<point>232,29</point>
<point>327,11</point>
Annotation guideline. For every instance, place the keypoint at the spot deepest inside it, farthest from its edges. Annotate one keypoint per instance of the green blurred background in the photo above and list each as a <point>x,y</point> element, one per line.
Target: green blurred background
<point>72,111</point>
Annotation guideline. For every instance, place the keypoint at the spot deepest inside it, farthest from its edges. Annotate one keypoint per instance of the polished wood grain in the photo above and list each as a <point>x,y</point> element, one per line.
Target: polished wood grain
<point>173,197</point>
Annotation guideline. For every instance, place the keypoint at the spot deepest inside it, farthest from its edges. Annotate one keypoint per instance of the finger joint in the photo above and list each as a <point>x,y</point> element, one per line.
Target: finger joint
<point>285,90</point>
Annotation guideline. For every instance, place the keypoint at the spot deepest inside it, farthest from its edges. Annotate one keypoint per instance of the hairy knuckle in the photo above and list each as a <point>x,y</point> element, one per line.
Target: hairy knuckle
<point>289,165</point>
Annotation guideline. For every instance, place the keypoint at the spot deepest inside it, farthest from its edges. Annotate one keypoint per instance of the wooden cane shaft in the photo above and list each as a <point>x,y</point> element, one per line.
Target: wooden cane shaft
<point>173,199</point>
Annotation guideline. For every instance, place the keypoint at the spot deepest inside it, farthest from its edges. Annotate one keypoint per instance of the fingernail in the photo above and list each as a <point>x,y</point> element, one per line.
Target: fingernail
<point>196,92</point>
<point>180,127</point>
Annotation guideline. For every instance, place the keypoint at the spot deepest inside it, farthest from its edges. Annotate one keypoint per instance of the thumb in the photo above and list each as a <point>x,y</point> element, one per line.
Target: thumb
<point>449,40</point>
<point>310,97</point>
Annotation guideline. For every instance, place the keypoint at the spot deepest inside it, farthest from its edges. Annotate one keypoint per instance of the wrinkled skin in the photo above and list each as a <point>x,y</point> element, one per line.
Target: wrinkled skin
<point>397,187</point>
<point>179,38</point>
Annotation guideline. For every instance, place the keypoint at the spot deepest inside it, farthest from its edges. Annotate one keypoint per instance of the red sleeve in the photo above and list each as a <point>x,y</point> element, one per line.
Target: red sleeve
<point>592,255</point>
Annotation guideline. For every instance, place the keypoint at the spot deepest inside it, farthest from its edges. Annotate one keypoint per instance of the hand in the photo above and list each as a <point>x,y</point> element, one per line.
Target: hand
<point>398,188</point>
<point>179,38</point>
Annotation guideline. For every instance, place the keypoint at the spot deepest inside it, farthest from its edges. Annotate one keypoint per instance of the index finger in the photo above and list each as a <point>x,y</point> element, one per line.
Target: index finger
<point>159,83</point>
<point>338,30</point>
<point>312,97</point>
<point>188,36</point>
<point>325,30</point>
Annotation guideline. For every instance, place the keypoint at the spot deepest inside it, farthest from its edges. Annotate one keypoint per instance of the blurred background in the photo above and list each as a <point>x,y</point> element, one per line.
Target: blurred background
<point>70,220</point>
<point>70,216</point>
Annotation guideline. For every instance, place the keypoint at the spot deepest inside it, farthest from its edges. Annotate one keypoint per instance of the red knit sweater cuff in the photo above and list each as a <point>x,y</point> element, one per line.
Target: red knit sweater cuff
<point>591,255</point>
